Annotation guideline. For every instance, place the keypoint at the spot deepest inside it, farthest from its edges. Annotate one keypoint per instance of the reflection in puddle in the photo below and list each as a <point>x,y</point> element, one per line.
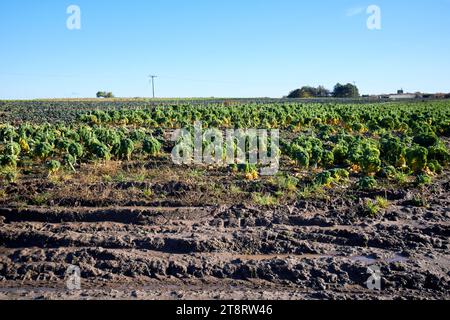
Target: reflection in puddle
<point>369,260</point>
<point>363,259</point>
<point>262,257</point>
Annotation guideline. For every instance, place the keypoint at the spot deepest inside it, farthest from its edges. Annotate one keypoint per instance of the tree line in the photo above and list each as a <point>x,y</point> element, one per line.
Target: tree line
<point>340,91</point>
<point>103,94</point>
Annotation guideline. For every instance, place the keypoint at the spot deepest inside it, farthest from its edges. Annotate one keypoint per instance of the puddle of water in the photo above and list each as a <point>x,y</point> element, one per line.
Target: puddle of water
<point>370,260</point>
<point>364,259</point>
<point>262,257</point>
<point>398,258</point>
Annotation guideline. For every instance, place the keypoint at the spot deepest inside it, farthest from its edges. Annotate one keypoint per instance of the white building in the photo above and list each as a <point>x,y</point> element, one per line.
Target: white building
<point>402,96</point>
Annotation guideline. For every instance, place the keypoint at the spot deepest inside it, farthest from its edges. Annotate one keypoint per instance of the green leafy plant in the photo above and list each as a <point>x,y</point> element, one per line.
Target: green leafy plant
<point>9,174</point>
<point>324,179</point>
<point>392,150</point>
<point>389,172</point>
<point>300,155</point>
<point>70,161</point>
<point>151,146</point>
<point>423,180</point>
<point>100,151</point>
<point>43,150</point>
<point>416,158</point>
<point>340,174</point>
<point>53,167</point>
<point>75,150</point>
<point>12,149</point>
<point>370,160</point>
<point>374,208</point>
<point>435,167</point>
<point>367,183</point>
<point>8,161</point>
<point>439,153</point>
<point>126,149</point>
<point>327,158</point>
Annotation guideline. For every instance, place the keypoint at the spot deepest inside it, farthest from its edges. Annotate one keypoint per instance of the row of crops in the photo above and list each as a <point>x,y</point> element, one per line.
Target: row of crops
<point>407,118</point>
<point>66,111</point>
<point>56,146</point>
<point>331,140</point>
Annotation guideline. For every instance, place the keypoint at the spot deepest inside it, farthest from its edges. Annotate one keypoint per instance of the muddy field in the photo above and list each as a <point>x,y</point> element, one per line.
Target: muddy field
<point>315,249</point>
<point>137,226</point>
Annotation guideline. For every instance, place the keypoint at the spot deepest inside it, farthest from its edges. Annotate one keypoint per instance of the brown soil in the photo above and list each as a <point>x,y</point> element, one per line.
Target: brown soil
<point>306,249</point>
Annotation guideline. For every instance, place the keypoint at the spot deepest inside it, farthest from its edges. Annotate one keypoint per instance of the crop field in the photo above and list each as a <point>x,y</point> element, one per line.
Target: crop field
<point>359,187</point>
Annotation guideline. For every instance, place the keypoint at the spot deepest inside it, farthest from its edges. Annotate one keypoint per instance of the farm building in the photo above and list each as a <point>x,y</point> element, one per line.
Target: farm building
<point>402,96</point>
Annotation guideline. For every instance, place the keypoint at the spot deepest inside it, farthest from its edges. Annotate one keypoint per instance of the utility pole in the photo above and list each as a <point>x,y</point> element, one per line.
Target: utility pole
<point>153,84</point>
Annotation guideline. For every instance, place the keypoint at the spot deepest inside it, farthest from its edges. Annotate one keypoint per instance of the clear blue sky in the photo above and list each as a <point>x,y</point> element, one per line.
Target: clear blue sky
<point>227,48</point>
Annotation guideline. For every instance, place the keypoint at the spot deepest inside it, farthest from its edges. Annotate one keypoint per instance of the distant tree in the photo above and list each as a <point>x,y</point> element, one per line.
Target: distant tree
<point>103,94</point>
<point>345,91</point>
<point>309,92</point>
<point>323,92</point>
<point>294,94</point>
